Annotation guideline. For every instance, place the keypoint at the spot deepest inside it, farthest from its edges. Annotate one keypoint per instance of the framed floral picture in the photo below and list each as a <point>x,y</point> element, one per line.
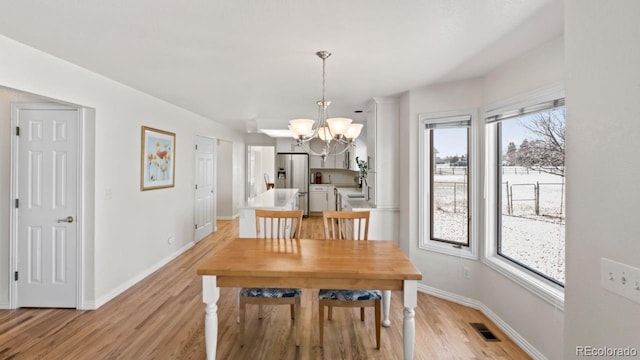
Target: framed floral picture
<point>157,165</point>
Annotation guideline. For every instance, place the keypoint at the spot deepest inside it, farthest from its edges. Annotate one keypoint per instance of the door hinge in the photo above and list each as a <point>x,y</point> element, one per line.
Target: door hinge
<point>17,203</point>
<point>196,186</point>
<point>196,147</point>
<point>195,226</point>
<point>17,130</point>
<point>15,276</point>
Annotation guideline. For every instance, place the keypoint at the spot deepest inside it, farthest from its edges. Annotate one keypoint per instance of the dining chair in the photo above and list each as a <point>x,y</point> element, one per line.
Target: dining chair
<point>348,225</point>
<point>280,226</point>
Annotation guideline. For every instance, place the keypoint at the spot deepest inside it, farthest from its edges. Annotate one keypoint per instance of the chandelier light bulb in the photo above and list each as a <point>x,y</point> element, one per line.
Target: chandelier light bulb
<point>339,126</point>
<point>301,127</point>
<point>324,134</point>
<point>353,131</point>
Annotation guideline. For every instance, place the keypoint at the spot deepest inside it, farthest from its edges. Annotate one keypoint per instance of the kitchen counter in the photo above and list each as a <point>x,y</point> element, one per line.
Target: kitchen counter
<point>353,202</point>
<point>274,199</point>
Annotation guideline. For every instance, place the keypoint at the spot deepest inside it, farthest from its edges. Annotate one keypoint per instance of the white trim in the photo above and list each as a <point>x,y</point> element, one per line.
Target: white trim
<point>478,305</point>
<point>134,280</point>
<point>5,306</point>
<point>228,217</point>
<point>541,287</point>
<point>470,252</point>
<point>13,193</point>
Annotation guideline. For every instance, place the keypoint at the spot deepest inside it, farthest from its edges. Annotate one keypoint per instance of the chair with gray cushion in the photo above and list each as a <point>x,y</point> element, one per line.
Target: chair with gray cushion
<point>282,227</point>
<point>348,225</point>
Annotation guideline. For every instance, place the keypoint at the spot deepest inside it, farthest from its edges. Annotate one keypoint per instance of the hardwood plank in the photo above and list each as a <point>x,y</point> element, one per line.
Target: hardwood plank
<point>162,317</point>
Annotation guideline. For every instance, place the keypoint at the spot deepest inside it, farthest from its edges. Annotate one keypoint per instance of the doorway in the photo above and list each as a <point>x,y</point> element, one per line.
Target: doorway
<point>224,180</point>
<point>46,181</point>
<point>260,169</point>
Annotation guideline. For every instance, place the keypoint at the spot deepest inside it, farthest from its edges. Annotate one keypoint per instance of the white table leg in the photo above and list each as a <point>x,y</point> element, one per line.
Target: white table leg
<point>210,296</point>
<point>409,326</point>
<point>386,304</point>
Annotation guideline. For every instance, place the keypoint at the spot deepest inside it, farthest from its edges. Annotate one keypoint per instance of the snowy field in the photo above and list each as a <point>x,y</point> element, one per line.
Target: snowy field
<point>536,240</point>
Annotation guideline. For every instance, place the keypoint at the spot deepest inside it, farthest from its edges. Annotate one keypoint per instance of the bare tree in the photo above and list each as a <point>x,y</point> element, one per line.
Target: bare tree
<point>545,152</point>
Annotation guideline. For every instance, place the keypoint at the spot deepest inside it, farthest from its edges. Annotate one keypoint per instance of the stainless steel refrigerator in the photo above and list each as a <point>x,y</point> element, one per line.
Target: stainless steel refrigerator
<point>292,172</point>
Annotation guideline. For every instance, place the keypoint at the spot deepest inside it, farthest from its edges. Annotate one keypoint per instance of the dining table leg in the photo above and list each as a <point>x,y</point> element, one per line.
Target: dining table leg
<point>409,326</point>
<point>386,305</point>
<point>210,296</point>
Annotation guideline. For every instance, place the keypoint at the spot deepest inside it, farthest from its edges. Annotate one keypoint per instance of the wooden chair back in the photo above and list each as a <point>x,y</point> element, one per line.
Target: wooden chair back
<point>278,224</point>
<point>346,225</point>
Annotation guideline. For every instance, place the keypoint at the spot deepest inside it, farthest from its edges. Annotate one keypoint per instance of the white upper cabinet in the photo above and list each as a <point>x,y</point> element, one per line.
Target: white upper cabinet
<point>382,150</point>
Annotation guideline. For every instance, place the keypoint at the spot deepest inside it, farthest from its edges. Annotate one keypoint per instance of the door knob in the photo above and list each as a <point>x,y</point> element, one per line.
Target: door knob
<point>68,219</point>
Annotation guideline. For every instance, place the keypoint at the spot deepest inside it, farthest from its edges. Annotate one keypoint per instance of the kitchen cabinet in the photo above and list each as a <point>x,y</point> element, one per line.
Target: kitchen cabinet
<point>318,198</point>
<point>315,162</point>
<point>382,152</point>
<point>359,151</point>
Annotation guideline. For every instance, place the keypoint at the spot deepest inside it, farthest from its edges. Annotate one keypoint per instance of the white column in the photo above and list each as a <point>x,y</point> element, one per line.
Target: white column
<point>386,304</point>
<point>210,296</point>
<point>409,324</point>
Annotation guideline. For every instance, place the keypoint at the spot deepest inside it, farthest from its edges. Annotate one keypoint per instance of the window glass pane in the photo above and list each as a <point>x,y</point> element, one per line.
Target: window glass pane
<point>532,192</point>
<point>449,185</point>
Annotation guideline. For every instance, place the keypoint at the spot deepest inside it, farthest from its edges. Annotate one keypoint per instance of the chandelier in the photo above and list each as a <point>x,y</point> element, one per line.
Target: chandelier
<point>326,136</point>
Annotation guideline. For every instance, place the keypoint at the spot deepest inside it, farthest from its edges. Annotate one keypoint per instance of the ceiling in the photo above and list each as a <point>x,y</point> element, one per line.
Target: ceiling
<point>246,62</point>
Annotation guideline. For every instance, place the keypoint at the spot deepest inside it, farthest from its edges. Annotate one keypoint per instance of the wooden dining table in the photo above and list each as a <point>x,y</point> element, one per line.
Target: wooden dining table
<point>313,264</point>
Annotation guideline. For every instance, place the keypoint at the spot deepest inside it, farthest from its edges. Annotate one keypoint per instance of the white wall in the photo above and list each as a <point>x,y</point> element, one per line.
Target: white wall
<point>537,321</point>
<point>131,229</point>
<point>440,271</point>
<point>603,195</point>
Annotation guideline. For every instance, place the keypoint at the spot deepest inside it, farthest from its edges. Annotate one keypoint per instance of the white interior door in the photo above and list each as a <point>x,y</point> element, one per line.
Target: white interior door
<point>46,214</point>
<point>204,187</point>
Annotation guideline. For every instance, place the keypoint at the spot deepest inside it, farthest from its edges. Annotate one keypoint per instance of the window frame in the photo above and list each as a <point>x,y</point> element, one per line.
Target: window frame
<point>425,185</point>
<point>538,284</point>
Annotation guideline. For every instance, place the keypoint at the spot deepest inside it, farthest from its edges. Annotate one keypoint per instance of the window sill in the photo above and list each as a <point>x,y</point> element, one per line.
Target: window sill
<point>543,288</point>
<point>449,249</point>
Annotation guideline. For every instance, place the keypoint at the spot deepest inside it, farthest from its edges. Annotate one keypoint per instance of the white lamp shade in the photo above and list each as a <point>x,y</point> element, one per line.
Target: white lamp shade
<point>338,126</point>
<point>353,131</point>
<point>324,134</point>
<point>301,127</point>
<point>293,134</point>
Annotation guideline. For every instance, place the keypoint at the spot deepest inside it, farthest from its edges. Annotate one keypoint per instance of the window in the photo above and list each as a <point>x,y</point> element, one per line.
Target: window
<point>526,193</point>
<point>446,201</point>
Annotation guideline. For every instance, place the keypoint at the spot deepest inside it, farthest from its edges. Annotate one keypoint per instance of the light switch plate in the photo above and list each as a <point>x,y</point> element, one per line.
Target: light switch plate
<point>620,279</point>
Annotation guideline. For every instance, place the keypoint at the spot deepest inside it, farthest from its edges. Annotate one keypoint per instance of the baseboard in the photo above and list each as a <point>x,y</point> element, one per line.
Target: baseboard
<point>88,305</point>
<point>134,280</point>
<point>4,307</point>
<point>475,304</point>
<point>227,217</point>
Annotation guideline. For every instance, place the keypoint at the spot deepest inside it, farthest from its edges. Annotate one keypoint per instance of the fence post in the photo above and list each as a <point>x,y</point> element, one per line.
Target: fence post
<point>509,203</point>
<point>537,197</point>
<point>455,201</point>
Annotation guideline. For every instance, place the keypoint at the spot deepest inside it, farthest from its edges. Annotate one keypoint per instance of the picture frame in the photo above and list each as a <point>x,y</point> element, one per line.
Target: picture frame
<point>157,159</point>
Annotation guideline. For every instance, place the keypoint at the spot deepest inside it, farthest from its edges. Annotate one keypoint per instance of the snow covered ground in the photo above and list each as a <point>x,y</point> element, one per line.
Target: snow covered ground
<point>535,240</point>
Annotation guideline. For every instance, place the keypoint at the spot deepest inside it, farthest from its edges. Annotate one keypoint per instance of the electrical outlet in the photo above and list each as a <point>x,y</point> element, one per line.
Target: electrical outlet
<point>466,272</point>
<point>620,279</point>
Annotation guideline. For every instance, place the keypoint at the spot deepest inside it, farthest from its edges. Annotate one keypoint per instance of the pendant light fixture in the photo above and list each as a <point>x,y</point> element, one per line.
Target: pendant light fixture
<point>330,136</point>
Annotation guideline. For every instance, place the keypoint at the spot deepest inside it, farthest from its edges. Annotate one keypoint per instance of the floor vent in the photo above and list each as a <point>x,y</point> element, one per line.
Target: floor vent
<point>486,334</point>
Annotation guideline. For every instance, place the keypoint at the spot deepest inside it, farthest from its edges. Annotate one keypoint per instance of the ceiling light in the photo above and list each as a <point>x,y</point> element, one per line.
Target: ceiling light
<point>337,134</point>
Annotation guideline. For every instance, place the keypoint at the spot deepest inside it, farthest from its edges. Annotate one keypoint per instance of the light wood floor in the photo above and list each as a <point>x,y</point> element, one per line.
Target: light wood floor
<point>162,317</point>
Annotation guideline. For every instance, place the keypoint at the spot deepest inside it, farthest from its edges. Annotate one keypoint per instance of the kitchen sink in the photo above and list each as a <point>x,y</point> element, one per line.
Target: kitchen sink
<point>355,196</point>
